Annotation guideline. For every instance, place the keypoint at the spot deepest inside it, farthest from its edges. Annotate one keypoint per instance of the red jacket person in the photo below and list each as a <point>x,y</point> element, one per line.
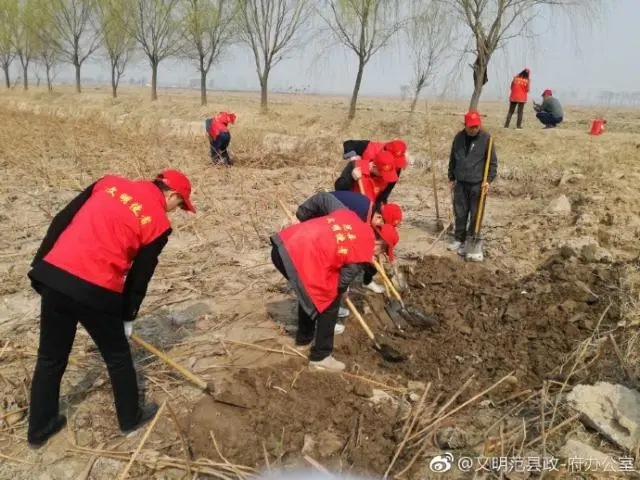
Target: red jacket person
<point>375,175</point>
<point>320,258</point>
<point>93,267</point>
<point>220,137</point>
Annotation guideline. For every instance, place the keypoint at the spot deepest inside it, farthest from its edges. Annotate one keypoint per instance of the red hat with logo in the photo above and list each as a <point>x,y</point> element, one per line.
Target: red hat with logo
<point>391,214</point>
<point>547,92</point>
<point>398,149</point>
<point>386,165</point>
<point>472,119</point>
<point>389,234</point>
<point>179,183</point>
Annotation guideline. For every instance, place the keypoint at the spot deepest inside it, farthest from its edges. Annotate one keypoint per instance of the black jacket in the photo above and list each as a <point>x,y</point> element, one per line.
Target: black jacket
<point>468,156</point>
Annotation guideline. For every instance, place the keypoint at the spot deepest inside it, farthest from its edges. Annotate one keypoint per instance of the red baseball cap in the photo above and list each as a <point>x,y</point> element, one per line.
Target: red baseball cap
<point>391,214</point>
<point>472,119</point>
<point>547,92</point>
<point>231,118</point>
<point>386,165</point>
<point>398,149</point>
<point>179,183</point>
<point>390,235</point>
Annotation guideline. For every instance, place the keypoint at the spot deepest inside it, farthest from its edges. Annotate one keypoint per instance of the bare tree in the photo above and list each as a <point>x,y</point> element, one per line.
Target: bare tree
<point>7,50</point>
<point>155,27</point>
<point>430,34</point>
<point>492,23</point>
<point>22,14</point>
<point>46,40</point>
<point>208,28</point>
<point>117,42</point>
<point>271,28</point>
<point>365,27</point>
<point>76,38</point>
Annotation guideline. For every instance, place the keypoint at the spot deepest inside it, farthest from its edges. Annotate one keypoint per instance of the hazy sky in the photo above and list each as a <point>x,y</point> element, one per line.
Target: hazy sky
<point>585,61</point>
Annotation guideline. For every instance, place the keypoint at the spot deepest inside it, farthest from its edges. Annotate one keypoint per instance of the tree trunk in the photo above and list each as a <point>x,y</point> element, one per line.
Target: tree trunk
<point>25,76</point>
<point>49,79</point>
<point>7,80</point>
<point>479,83</point>
<point>264,100</point>
<point>356,90</point>
<point>114,81</point>
<point>78,88</point>
<point>416,94</point>
<point>154,80</point>
<point>203,82</point>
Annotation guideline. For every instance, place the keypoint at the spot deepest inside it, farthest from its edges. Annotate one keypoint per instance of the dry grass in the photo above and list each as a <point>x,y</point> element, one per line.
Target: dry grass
<point>52,146</point>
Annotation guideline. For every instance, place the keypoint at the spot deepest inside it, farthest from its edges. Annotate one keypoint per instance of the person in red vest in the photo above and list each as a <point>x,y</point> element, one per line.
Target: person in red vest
<point>93,267</point>
<point>367,149</point>
<point>321,257</point>
<point>518,97</point>
<point>375,175</point>
<point>219,137</point>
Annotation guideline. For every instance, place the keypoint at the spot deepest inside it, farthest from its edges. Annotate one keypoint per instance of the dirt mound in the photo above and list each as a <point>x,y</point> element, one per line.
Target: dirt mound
<point>491,324</point>
<point>293,410</point>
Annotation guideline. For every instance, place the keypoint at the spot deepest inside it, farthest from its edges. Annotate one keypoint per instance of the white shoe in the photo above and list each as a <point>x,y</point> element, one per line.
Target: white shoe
<point>328,363</point>
<point>453,246</point>
<point>475,257</point>
<point>375,287</point>
<point>339,329</point>
<point>343,312</point>
<point>462,250</point>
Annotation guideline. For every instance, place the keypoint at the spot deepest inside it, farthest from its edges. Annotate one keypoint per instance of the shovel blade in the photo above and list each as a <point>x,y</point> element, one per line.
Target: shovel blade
<point>417,318</point>
<point>394,310</point>
<point>389,353</point>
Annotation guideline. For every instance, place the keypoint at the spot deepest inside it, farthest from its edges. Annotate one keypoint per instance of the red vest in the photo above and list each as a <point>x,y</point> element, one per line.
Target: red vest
<point>120,217</point>
<point>217,126</point>
<point>320,247</point>
<point>519,90</point>
<point>373,148</point>
<point>372,185</point>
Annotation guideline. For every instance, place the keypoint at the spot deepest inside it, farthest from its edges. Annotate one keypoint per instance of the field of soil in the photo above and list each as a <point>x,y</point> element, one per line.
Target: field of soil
<point>554,304</point>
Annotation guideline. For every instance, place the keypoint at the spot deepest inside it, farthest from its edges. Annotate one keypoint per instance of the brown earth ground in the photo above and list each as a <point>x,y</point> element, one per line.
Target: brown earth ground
<point>513,334</point>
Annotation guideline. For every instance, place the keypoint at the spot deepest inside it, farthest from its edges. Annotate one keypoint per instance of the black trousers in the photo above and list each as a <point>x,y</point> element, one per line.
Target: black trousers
<point>369,273</point>
<point>465,203</point>
<point>219,147</point>
<point>59,317</point>
<point>322,328</point>
<point>512,108</point>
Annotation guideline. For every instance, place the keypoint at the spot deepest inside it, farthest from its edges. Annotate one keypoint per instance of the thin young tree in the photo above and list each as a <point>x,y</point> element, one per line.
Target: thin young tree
<point>493,23</point>
<point>7,50</point>
<point>116,39</point>
<point>208,29</point>
<point>46,38</point>
<point>430,34</point>
<point>76,37</point>
<point>155,27</point>
<point>24,39</point>
<point>271,29</point>
<point>365,27</point>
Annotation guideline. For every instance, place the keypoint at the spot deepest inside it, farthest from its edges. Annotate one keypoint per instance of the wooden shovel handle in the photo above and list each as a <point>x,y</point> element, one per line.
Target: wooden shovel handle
<point>172,363</point>
<point>383,274</point>
<point>292,219</point>
<point>363,324</point>
<point>485,175</point>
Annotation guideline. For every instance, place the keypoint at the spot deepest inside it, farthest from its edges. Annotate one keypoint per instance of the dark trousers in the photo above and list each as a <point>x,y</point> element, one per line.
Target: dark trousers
<point>59,317</point>
<point>219,147</point>
<point>322,327</point>
<point>547,119</point>
<point>465,203</point>
<point>369,273</point>
<point>512,108</point>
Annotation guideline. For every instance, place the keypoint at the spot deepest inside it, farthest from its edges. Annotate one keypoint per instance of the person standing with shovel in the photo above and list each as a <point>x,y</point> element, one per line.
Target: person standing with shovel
<point>469,179</point>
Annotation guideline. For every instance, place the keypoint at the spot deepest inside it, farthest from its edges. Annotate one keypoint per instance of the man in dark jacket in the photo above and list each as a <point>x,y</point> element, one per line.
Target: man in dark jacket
<point>93,267</point>
<point>466,168</point>
<point>550,112</point>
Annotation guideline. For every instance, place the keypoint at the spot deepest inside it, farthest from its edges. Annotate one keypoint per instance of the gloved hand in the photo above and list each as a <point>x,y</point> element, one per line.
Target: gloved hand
<point>128,329</point>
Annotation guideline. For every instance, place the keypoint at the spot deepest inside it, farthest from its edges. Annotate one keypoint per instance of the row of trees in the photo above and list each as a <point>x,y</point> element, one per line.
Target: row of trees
<point>71,31</point>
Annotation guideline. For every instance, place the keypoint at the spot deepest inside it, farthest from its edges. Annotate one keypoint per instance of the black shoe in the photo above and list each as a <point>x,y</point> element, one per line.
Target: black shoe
<point>54,426</point>
<point>147,412</point>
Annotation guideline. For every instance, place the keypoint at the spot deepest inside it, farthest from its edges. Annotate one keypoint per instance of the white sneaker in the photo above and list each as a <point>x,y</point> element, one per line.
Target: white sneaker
<point>343,312</point>
<point>475,257</point>
<point>453,246</point>
<point>339,329</point>
<point>328,363</point>
<point>462,250</point>
<point>375,287</point>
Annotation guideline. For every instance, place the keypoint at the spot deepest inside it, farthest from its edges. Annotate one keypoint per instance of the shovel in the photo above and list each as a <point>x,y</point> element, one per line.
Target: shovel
<point>475,247</point>
<point>204,386</point>
<point>387,352</point>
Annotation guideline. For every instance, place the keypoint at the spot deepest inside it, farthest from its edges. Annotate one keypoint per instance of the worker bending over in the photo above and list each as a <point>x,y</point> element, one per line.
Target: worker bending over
<point>370,177</point>
<point>220,137</point>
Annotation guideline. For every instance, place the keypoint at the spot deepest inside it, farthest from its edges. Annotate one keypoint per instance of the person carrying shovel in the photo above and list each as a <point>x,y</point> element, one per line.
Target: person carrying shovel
<point>93,267</point>
<point>321,257</point>
<point>219,137</point>
<point>469,152</point>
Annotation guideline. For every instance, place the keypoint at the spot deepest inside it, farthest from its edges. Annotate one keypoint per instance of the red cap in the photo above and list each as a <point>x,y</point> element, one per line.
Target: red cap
<point>390,235</point>
<point>547,92</point>
<point>386,165</point>
<point>398,149</point>
<point>391,214</point>
<point>231,118</point>
<point>472,119</point>
<point>179,183</point>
